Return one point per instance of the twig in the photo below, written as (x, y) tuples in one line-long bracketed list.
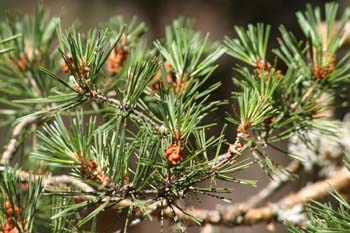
[(58, 181), (48, 181), (65, 179), (234, 150), (17, 131), (160, 128)]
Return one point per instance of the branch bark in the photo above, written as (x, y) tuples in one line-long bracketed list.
[(59, 181), (233, 215), (17, 131), (230, 216)]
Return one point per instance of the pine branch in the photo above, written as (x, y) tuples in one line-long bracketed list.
[(16, 133), (62, 181), (231, 215), (18, 201), (140, 115), (146, 148)]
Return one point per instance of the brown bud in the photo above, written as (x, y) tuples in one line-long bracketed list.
[(174, 153), (261, 64), (93, 164), (22, 63), (246, 135)]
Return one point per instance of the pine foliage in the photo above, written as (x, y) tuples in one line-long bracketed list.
[(128, 123)]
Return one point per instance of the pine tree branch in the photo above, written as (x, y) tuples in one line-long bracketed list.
[(59, 181), (160, 128), (233, 150), (232, 215), (16, 133), (278, 182), (67, 180)]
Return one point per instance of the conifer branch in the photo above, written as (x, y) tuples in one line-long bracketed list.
[(62, 181), (140, 115), (11, 147), (238, 215), (146, 145), (230, 216)]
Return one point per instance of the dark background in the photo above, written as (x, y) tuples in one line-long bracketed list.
[(216, 17)]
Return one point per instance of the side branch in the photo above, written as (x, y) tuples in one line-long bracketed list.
[(60, 181), (138, 114), (17, 131)]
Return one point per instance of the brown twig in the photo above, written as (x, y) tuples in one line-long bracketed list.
[(65, 179), (58, 181), (17, 131)]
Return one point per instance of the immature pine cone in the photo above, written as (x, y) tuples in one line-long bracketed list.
[(174, 153)]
